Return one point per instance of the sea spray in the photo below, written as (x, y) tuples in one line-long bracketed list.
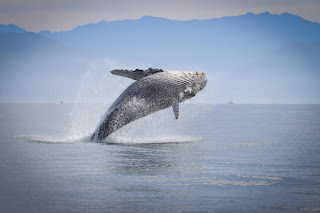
[(97, 92)]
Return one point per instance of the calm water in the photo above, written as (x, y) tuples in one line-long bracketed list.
[(223, 158)]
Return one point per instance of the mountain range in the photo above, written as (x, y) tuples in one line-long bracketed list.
[(251, 58)]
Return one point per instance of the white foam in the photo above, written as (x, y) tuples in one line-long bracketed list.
[(55, 140), (161, 139), (113, 140), (44, 139)]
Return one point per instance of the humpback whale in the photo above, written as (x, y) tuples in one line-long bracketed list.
[(153, 90)]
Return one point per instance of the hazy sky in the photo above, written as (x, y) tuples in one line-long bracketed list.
[(57, 15)]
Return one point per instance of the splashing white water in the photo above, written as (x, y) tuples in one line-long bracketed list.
[(155, 139), (97, 92)]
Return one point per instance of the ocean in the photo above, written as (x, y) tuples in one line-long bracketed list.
[(214, 158)]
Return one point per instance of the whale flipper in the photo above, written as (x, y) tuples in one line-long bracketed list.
[(175, 107), (136, 74)]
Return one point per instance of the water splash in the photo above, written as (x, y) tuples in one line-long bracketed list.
[(97, 92), (152, 140)]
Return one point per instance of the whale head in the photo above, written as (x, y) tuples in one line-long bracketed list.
[(200, 81), (196, 82)]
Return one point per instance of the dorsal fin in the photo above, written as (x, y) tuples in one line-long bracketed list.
[(136, 74)]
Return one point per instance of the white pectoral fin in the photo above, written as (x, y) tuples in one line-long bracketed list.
[(135, 74), (175, 107), (127, 73)]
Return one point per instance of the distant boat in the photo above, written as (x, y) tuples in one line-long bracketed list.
[(230, 102), (61, 102)]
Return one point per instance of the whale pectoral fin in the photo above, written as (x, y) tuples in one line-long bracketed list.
[(128, 73), (175, 107), (135, 74)]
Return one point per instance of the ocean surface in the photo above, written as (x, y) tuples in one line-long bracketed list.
[(214, 158)]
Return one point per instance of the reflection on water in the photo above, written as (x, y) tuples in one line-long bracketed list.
[(147, 159)]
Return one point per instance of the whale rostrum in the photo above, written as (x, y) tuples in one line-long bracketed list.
[(153, 90)]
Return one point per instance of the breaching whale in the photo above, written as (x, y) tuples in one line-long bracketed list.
[(153, 90)]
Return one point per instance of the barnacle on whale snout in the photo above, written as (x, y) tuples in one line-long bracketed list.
[(201, 75)]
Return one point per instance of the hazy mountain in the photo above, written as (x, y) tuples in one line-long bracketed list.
[(251, 58), (11, 28), (154, 39), (37, 68)]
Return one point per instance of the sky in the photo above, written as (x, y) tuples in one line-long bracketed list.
[(59, 15)]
